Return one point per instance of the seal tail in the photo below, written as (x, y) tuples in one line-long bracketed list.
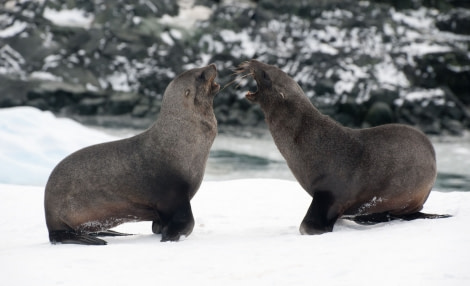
[(385, 217)]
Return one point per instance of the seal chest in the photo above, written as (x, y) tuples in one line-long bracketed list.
[(149, 177), (388, 169)]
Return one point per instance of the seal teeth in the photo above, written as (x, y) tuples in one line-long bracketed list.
[(251, 96)]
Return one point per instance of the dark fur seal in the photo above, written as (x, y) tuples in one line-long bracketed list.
[(374, 174), (149, 177)]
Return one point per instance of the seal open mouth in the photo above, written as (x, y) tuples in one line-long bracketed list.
[(213, 86), (243, 70)]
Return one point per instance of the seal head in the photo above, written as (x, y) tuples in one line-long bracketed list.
[(272, 83)]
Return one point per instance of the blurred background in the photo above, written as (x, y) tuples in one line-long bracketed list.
[(106, 64)]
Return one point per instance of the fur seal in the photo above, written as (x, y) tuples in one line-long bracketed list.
[(373, 175), (149, 177)]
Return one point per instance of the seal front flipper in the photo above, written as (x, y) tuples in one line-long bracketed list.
[(321, 215), (157, 226), (71, 237), (180, 223)]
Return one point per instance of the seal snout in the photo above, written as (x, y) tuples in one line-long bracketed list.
[(245, 69)]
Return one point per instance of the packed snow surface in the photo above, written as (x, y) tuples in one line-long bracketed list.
[(246, 233)]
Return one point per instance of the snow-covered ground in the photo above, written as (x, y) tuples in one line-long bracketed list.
[(246, 230), (246, 233)]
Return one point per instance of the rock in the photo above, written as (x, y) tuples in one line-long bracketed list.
[(431, 127), (50, 95), (324, 86), (140, 110), (90, 106), (121, 103), (354, 60), (385, 95), (453, 127), (455, 21), (449, 69), (379, 113), (13, 92)]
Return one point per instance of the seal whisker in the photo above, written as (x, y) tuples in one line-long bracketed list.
[(237, 79), (228, 84), (243, 67)]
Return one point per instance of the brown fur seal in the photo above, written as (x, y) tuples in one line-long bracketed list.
[(149, 177), (374, 174)]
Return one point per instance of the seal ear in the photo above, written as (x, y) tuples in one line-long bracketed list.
[(187, 92), (282, 96)]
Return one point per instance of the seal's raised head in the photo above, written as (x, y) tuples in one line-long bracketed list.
[(196, 85), (274, 85)]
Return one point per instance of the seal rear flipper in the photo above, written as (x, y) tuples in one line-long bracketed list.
[(370, 219), (109, 233), (420, 215), (385, 217), (71, 237)]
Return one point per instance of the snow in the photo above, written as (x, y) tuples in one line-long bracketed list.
[(246, 233), (246, 230), (425, 95), (69, 17), (388, 74), (16, 28), (348, 74), (33, 142), (246, 48), (13, 61), (417, 19), (188, 15), (42, 75)]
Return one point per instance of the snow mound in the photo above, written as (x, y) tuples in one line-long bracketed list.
[(33, 142)]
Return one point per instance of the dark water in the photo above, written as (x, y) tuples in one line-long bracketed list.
[(226, 165), (452, 182)]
